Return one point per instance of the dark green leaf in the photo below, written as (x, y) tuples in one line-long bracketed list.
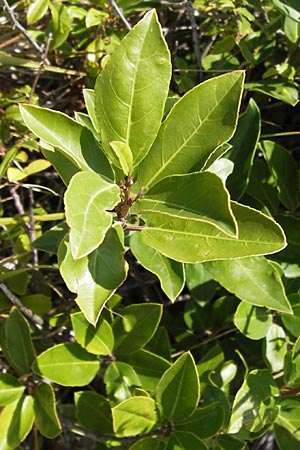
[(45, 411), (93, 412)]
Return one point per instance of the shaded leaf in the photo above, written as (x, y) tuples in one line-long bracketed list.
[(98, 339), (44, 406), (121, 381), (252, 321), (93, 412), (285, 91), (184, 440), (275, 347), (205, 422)]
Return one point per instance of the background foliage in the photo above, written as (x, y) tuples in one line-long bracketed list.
[(189, 351)]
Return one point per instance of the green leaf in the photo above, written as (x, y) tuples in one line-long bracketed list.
[(285, 91), (74, 141), (36, 166), (262, 186), (18, 342), (228, 442), (205, 422), (89, 100), (16, 422), (284, 170), (169, 272), (64, 166), (184, 440), (148, 366), (131, 91), (196, 197), (191, 241), (36, 10), (87, 200), (150, 443), (135, 327), (45, 411), (98, 340), (60, 25), (124, 155), (289, 417), (96, 277), (288, 10), (254, 405), (178, 391), (10, 389), (243, 143), (49, 241), (121, 381), (254, 280), (275, 347), (291, 226), (134, 416), (198, 123), (67, 364), (285, 439), (93, 412), (252, 321), (291, 29)]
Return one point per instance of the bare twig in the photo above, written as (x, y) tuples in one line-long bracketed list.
[(120, 12), (42, 65), (34, 318), (196, 42), (16, 24)]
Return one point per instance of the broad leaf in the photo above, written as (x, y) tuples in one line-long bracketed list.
[(254, 405), (18, 342), (64, 166), (124, 155), (262, 187), (289, 415), (178, 391), (120, 381), (252, 321), (185, 440), (287, 10), (67, 364), (72, 139), (36, 10), (93, 412), (275, 347), (197, 124), (96, 277), (98, 340), (10, 389), (192, 241), (284, 439), (285, 91), (89, 100), (87, 200), (149, 443), (205, 422), (134, 416), (196, 197), (254, 280), (131, 91), (243, 143), (169, 272), (45, 411), (16, 422), (135, 327), (284, 170)]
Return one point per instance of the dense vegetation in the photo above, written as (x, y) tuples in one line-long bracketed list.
[(150, 294)]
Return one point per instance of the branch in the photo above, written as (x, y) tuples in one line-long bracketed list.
[(120, 12), (196, 42), (34, 318), (42, 65)]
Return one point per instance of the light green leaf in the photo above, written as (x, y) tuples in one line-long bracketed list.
[(184, 440), (198, 123), (135, 327), (287, 10), (18, 341), (254, 405), (74, 141), (289, 415), (16, 422), (98, 340), (284, 170), (222, 167), (64, 166), (284, 439), (148, 366), (285, 91), (291, 29), (124, 155), (96, 277), (275, 347), (10, 389), (254, 280), (199, 197), (45, 411), (36, 10), (89, 100), (244, 142), (67, 364), (134, 416), (14, 174), (205, 422), (93, 412), (131, 91), (252, 321), (169, 272), (178, 390), (87, 200), (60, 25), (120, 381), (191, 241)]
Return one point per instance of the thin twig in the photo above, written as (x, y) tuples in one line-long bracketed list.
[(195, 35), (42, 65), (34, 318), (16, 24), (120, 12)]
